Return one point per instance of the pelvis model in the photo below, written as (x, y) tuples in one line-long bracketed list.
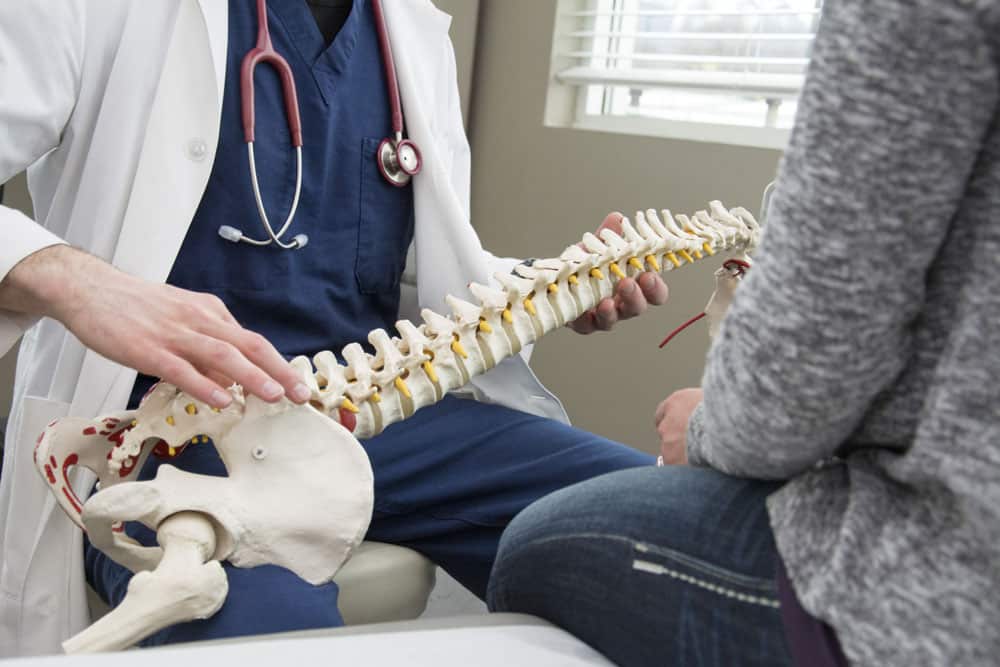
[(299, 490)]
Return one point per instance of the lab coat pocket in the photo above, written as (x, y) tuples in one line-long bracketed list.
[(25, 523), (385, 226)]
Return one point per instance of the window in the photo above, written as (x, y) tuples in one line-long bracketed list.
[(712, 70)]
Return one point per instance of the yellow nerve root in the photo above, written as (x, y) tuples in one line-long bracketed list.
[(508, 316), (596, 273), (403, 389), (615, 269), (484, 326), (673, 260), (553, 288), (456, 347), (687, 256), (651, 260), (708, 249), (348, 405), (429, 369), (636, 264), (530, 306), (573, 280)]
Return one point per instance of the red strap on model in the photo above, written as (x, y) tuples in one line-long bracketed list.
[(681, 328)]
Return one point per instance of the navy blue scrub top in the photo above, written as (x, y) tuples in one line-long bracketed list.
[(345, 282)]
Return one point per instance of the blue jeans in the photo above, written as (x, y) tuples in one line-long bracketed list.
[(657, 566), (447, 482)]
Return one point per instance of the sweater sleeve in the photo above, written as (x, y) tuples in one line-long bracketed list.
[(891, 122)]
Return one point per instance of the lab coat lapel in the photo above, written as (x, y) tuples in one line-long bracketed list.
[(175, 162), (180, 143), (443, 237)]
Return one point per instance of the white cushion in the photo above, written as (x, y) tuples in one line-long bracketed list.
[(381, 582)]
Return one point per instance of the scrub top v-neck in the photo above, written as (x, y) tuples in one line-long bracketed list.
[(345, 282)]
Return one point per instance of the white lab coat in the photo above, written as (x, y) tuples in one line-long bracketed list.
[(114, 107)]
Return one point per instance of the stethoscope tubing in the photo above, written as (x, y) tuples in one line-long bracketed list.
[(395, 166), (275, 237), (389, 65)]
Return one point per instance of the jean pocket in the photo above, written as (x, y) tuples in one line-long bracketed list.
[(385, 226)]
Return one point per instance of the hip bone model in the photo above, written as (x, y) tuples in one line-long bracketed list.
[(300, 488)]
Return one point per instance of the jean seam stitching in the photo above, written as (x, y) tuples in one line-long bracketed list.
[(694, 563), (706, 568), (659, 570)]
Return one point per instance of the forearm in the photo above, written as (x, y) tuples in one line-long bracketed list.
[(888, 134), (41, 283)]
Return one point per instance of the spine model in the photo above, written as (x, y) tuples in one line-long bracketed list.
[(306, 508), (425, 362)]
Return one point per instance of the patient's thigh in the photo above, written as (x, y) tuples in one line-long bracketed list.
[(697, 512), (670, 564)]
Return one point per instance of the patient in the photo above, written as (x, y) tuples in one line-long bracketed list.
[(841, 502)]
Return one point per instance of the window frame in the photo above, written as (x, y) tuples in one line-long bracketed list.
[(567, 102)]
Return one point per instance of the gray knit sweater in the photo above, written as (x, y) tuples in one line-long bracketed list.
[(861, 357)]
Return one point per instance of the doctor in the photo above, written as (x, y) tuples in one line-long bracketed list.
[(128, 116)]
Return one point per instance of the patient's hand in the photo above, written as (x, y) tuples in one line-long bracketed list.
[(188, 339), (632, 296), (671, 418)]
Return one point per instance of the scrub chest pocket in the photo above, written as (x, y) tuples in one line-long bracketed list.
[(385, 226)]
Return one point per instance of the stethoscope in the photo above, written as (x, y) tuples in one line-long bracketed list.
[(398, 159)]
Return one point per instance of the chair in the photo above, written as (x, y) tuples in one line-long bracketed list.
[(380, 583)]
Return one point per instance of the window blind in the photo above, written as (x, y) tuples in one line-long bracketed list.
[(739, 62)]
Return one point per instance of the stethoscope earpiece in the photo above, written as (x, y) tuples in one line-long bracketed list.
[(235, 236)]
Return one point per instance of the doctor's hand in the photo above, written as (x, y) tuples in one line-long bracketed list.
[(672, 417), (631, 298), (186, 338)]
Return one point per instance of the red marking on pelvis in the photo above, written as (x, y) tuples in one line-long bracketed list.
[(128, 465), (162, 450), (71, 497), (90, 430), (51, 476), (67, 490), (348, 420)]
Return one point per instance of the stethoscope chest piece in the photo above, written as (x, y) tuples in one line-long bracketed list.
[(398, 160)]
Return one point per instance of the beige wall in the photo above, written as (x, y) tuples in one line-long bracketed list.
[(536, 189)]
